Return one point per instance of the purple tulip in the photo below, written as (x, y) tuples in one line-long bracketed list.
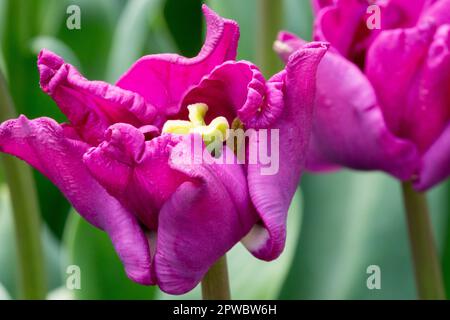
[(383, 94), (117, 160)]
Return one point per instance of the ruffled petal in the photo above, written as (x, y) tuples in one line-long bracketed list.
[(43, 144), (202, 220), (435, 163), (238, 89), (272, 191), (163, 79), (198, 209), (285, 45), (134, 171), (90, 106)]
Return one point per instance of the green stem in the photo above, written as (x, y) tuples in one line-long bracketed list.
[(446, 251), (427, 267), (215, 284), (270, 13), (32, 281)]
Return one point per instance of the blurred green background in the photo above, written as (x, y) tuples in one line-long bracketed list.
[(339, 224)]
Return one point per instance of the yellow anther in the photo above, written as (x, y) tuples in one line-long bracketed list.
[(177, 127), (237, 124), (220, 124), (236, 138), (197, 113), (216, 130)]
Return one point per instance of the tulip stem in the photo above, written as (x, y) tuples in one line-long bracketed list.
[(270, 13), (215, 284), (31, 275), (427, 266)]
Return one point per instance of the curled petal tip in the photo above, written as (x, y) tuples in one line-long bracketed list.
[(49, 58), (48, 64), (125, 141), (286, 44), (318, 45), (206, 9), (314, 50)]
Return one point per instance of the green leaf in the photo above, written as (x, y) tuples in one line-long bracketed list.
[(185, 21), (8, 257), (126, 49), (351, 221), (251, 278), (102, 273)]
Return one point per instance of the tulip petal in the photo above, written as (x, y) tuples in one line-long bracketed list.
[(403, 13), (238, 89), (199, 210), (345, 24), (437, 11), (42, 143), (163, 79), (272, 192), (401, 89), (436, 163), (91, 106), (135, 172), (202, 220), (349, 128), (286, 44), (429, 112), (340, 24)]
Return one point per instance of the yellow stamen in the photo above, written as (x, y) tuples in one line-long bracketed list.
[(237, 124), (236, 140), (197, 113), (177, 127), (217, 129)]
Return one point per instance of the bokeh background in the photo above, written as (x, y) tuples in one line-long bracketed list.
[(339, 223)]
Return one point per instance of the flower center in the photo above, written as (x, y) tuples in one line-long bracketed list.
[(214, 134), (216, 130)]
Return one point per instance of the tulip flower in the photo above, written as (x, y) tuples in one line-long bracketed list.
[(382, 94), (382, 101), (117, 159)]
